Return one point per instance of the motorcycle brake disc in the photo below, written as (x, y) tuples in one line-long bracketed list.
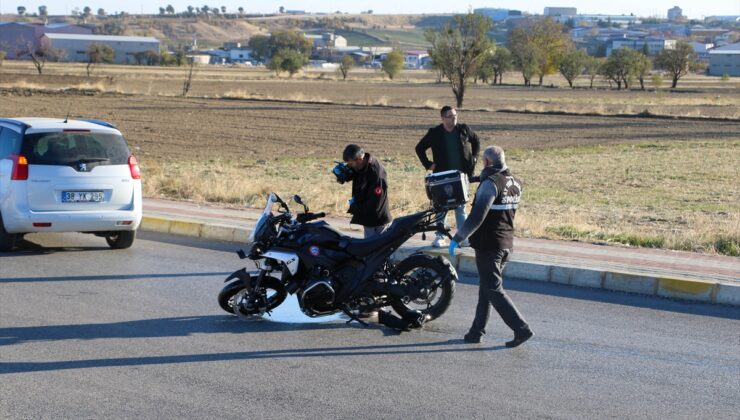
[(243, 308)]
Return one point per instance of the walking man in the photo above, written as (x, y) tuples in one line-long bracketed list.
[(454, 147), (490, 228)]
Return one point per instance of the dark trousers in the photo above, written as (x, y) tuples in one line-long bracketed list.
[(491, 292)]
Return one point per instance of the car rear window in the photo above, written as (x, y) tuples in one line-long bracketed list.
[(69, 148)]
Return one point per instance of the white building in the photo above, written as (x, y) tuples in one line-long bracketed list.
[(75, 46), (725, 60), (654, 45), (561, 11)]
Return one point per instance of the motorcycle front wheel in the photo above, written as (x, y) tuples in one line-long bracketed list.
[(272, 287), (433, 274)]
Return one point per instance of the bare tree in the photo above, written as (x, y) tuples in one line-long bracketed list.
[(458, 49), (346, 65), (98, 53), (189, 79), (38, 55)]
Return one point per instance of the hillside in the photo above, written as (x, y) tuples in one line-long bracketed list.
[(359, 29)]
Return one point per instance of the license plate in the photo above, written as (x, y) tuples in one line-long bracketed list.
[(82, 196)]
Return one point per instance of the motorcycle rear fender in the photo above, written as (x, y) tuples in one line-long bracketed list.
[(290, 259)]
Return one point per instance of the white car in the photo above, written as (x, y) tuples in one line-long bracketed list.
[(60, 175)]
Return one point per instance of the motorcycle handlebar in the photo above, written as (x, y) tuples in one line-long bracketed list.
[(307, 217)]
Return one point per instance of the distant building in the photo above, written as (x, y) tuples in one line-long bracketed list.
[(560, 11), (675, 13), (725, 60), (621, 20), (327, 39), (497, 15), (654, 45), (75, 46), (702, 49), (15, 36), (415, 59)]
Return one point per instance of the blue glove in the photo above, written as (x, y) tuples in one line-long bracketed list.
[(351, 201), (453, 245)]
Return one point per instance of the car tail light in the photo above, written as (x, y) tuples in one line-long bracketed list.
[(133, 164), (20, 168), (42, 224)]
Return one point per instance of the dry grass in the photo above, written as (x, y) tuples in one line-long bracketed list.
[(670, 195)]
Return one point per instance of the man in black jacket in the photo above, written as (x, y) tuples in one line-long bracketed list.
[(369, 202), (490, 228), (454, 147)]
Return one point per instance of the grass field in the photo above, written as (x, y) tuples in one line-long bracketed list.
[(669, 183)]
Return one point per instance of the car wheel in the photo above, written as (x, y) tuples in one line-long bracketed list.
[(7, 240), (121, 239)]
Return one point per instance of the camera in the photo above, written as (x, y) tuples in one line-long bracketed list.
[(343, 172)]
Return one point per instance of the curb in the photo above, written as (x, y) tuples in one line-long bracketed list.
[(667, 287)]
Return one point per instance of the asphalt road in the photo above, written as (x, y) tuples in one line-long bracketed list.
[(88, 332)]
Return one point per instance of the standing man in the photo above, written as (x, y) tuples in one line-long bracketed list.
[(490, 228), (369, 202), (454, 147)]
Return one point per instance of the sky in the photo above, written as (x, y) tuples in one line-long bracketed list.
[(694, 9)]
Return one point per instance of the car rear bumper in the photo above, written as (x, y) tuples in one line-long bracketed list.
[(72, 221)]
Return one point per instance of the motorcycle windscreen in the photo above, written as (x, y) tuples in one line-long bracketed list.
[(262, 221)]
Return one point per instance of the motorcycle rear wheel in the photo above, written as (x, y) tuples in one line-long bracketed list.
[(423, 270), (274, 289)]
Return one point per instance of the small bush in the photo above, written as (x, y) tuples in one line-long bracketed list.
[(725, 77), (728, 246)]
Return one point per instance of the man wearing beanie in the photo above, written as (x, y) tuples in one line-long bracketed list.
[(490, 228)]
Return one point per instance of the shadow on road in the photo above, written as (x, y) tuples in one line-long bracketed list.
[(185, 326), (104, 277)]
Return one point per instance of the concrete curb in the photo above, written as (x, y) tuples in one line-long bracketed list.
[(674, 288)]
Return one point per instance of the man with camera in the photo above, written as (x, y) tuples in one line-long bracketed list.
[(454, 147), (369, 202), (490, 228)]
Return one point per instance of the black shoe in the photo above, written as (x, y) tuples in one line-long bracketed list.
[(520, 338), (472, 338)]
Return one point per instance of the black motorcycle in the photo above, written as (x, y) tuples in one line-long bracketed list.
[(330, 272)]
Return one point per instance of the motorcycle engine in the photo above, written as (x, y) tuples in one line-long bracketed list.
[(317, 297)]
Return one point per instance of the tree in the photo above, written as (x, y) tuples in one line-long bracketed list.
[(677, 62), (346, 65), (642, 66), (21, 10), (260, 46), (2, 57), (281, 9), (622, 66), (458, 49), (223, 10), (43, 11), (161, 11), (38, 55), (101, 12), (485, 68), (292, 61), (241, 11), (537, 45), (393, 63), (276, 63), (98, 53), (170, 10), (571, 64), (290, 40), (592, 66), (501, 62)]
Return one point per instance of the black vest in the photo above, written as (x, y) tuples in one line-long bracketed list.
[(497, 230)]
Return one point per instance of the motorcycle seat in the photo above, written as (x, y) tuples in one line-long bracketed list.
[(361, 247)]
